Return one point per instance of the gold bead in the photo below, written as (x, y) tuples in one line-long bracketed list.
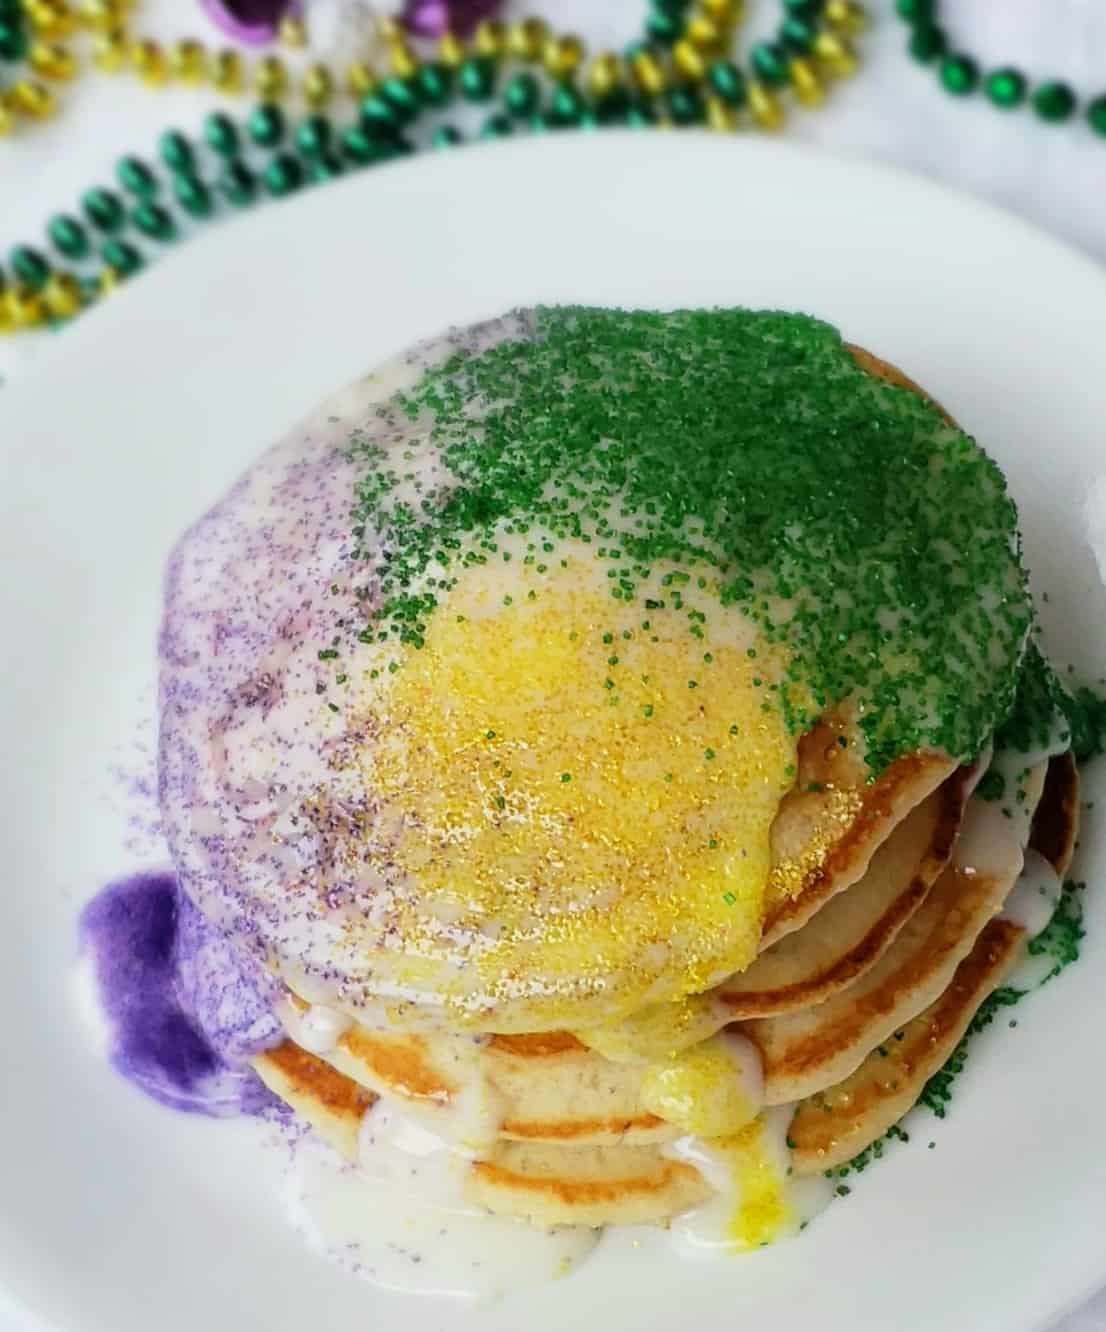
[(804, 79), (835, 54), (100, 15), (50, 18), (148, 60), (845, 15), (725, 13), (270, 78), (360, 80), (109, 51), (226, 71), (110, 280), (318, 86), (720, 115), (648, 73), (391, 29), (53, 61), (25, 307), (490, 38), (562, 55), (527, 38), (689, 60), (188, 60), (7, 117), (402, 61), (451, 50), (604, 74), (292, 32), (62, 295), (704, 33), (32, 99), (764, 106)]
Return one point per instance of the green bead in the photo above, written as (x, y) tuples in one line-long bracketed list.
[(238, 184), (359, 147), (137, 178), (68, 236), (797, 34), (1054, 102), (122, 256), (541, 123), (103, 209), (522, 95), (327, 166), (13, 40), (283, 174), (567, 107), (435, 84), (677, 7), (193, 196), (30, 266), (176, 151), (916, 11), (1005, 87), (769, 63), (446, 136), (153, 220), (1096, 115), (403, 96), (379, 116), (728, 82), (639, 114), (266, 125), (959, 75), (612, 109), (221, 134), (313, 136), (685, 106), (927, 42), (806, 9), (663, 27), (497, 126), (477, 78)]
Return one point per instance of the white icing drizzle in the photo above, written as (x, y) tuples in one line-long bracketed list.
[(321, 1028), (401, 1221), (1034, 897)]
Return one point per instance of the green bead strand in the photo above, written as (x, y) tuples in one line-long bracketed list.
[(769, 63), (927, 42), (522, 95), (728, 82), (435, 82), (477, 78), (403, 97)]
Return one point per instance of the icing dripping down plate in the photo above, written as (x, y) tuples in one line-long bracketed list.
[(117, 1215)]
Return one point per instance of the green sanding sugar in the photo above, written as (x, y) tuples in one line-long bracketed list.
[(874, 541)]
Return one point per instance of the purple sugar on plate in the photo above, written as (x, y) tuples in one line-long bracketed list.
[(183, 1009)]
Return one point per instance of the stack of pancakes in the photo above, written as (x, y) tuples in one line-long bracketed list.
[(685, 1043)]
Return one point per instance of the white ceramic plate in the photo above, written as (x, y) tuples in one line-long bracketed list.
[(119, 1216)]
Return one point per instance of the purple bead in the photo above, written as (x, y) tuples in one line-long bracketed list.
[(430, 18), (254, 22)]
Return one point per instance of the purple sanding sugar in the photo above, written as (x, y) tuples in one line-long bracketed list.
[(184, 1011)]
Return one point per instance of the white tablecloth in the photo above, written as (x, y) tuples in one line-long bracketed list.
[(893, 111)]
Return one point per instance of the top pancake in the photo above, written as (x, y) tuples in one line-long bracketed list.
[(407, 771)]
